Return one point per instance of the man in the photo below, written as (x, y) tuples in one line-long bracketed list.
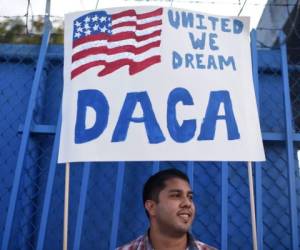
[(168, 202)]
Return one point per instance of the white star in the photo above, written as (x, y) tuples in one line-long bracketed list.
[(86, 26), (87, 32), (77, 35), (77, 24), (87, 19), (79, 29), (95, 18), (95, 27), (103, 29), (102, 19)]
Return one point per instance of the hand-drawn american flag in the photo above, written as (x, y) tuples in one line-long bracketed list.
[(116, 40)]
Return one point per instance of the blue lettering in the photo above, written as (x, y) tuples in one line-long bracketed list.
[(237, 26), (174, 21), (224, 24), (97, 101), (212, 41), (229, 61), (208, 126), (186, 131), (189, 60), (213, 21), (153, 130), (187, 19), (198, 43), (200, 25), (177, 60), (211, 63), (199, 58)]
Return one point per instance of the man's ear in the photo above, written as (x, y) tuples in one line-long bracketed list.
[(150, 206)]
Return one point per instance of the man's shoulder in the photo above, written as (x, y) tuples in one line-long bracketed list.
[(136, 244), (202, 246)]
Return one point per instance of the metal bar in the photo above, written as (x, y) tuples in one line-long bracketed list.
[(252, 206), (29, 52), (296, 136), (190, 172), (259, 209), (66, 206), (258, 176), (274, 136), (270, 136), (290, 148), (224, 205), (155, 167), (117, 206), (39, 129), (49, 188), (275, 70), (82, 202), (25, 137)]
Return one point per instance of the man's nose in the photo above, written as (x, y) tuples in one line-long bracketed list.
[(186, 202)]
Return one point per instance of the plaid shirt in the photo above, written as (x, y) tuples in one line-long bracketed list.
[(143, 243)]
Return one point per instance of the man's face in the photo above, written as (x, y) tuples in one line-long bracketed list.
[(175, 210)]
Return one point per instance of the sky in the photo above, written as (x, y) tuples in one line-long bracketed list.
[(253, 8)]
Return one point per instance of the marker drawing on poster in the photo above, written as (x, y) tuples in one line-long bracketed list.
[(151, 83)]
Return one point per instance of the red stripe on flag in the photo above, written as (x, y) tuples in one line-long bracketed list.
[(116, 37), (134, 67), (90, 38), (139, 66), (127, 13), (85, 67), (112, 66), (112, 51), (138, 26)]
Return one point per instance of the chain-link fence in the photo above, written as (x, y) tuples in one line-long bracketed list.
[(15, 90), (18, 66), (294, 78)]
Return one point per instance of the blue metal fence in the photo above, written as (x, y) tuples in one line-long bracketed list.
[(105, 198)]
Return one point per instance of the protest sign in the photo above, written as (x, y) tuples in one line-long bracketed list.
[(152, 83)]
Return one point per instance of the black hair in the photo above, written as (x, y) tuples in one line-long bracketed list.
[(157, 182)]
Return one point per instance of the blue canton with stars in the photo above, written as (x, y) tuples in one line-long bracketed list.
[(92, 23)]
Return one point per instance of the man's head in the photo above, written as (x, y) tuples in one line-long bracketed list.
[(168, 201)]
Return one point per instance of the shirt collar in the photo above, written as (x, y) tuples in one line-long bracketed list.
[(191, 242)]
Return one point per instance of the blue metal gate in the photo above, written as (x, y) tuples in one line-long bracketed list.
[(106, 207)]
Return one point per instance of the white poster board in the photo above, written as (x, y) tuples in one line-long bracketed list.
[(152, 83)]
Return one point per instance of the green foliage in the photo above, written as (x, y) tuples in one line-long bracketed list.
[(15, 30)]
